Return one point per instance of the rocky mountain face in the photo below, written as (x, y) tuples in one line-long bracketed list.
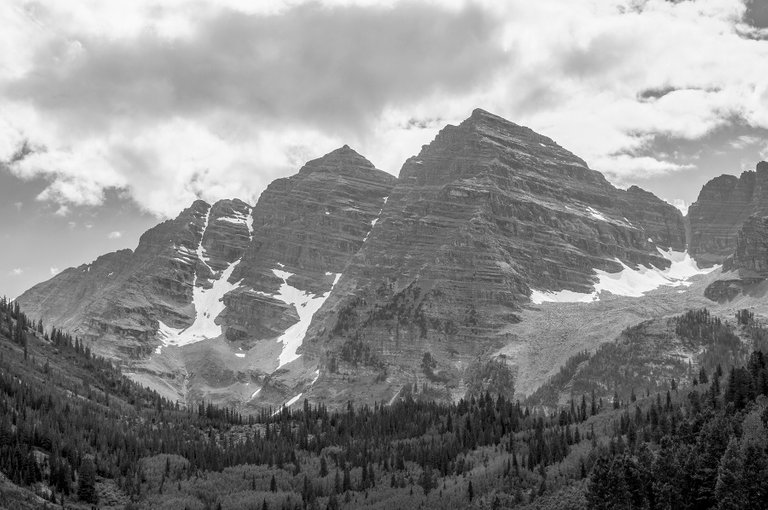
[(751, 255), (118, 299), (344, 283), (485, 213), (723, 205), (747, 266), (215, 300)]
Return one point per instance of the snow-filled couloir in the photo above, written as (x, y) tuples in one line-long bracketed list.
[(631, 282)]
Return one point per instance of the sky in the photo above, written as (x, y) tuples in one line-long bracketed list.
[(116, 115)]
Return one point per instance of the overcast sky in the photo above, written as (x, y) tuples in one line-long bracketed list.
[(115, 115)]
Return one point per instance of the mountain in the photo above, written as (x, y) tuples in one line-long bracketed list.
[(747, 268), (485, 218), (723, 205), (211, 302), (343, 282)]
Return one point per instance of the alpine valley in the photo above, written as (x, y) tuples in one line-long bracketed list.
[(498, 327), (344, 283)]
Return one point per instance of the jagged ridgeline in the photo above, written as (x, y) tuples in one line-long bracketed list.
[(340, 279), (74, 432)]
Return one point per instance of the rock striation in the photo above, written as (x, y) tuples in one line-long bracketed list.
[(344, 283), (751, 255), (483, 214), (750, 261), (723, 205), (221, 296)]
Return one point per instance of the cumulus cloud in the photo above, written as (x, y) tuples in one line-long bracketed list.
[(16, 271), (169, 103), (115, 234)]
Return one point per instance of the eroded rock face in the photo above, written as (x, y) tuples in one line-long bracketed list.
[(265, 267), (750, 260), (724, 204), (341, 279), (309, 226), (751, 255), (118, 299), (483, 214)]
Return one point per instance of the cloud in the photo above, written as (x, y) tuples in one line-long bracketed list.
[(53, 270), (331, 67), (16, 271), (168, 103), (744, 141), (171, 114), (114, 235)]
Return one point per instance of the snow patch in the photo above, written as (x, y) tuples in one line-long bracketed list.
[(317, 376), (596, 214), (631, 282), (375, 220), (293, 400), (306, 304), (253, 395), (240, 355), (564, 296), (288, 404), (208, 305), (200, 250)]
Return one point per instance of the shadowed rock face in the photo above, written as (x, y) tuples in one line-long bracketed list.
[(751, 256), (724, 204), (750, 259), (483, 214)]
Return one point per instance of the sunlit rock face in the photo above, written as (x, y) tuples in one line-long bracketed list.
[(724, 204), (481, 216)]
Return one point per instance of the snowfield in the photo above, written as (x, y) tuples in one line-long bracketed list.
[(209, 303), (631, 282), (306, 305)]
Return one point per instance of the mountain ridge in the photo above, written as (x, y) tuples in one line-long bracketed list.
[(340, 280)]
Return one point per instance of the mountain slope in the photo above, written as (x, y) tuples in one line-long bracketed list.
[(486, 213), (215, 300)]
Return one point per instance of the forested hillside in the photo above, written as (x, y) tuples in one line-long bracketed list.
[(75, 432)]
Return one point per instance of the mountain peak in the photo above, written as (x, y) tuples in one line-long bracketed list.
[(480, 114), (338, 161)]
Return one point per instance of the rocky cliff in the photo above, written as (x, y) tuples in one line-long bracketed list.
[(215, 300), (343, 282), (751, 255), (723, 205), (484, 214), (747, 267)]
